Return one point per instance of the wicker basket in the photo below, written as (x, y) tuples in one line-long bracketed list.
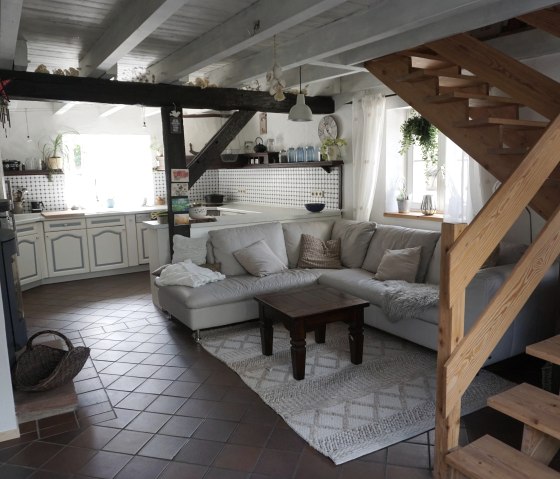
[(42, 367)]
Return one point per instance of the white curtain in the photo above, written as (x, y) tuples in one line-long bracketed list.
[(368, 118)]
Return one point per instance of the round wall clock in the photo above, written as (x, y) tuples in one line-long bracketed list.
[(327, 128)]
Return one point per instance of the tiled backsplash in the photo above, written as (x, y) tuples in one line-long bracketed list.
[(278, 187)]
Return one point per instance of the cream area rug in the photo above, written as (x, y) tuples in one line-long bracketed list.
[(341, 409)]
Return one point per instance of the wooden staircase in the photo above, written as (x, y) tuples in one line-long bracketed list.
[(505, 115)]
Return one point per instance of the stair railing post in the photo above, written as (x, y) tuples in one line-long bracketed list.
[(451, 330)]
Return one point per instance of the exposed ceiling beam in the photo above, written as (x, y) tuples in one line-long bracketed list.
[(40, 86), (111, 111), (65, 107), (547, 20), (491, 13), (351, 68), (137, 21), (528, 44), (393, 23), (238, 34), (10, 14), (312, 74)]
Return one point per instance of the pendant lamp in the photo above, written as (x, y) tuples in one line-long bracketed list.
[(300, 111)]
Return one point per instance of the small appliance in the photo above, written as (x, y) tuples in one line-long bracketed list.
[(37, 206)]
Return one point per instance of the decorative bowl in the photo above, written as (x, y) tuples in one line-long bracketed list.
[(196, 212), (314, 207)]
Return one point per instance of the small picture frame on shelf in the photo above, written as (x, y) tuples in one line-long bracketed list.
[(180, 205), (180, 175), (180, 219), (179, 189)]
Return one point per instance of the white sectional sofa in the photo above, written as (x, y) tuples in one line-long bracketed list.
[(362, 247)]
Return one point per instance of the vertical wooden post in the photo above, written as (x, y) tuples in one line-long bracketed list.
[(451, 330), (174, 148)]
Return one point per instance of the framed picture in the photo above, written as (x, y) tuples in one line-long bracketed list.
[(179, 189), (263, 124), (180, 175), (180, 205), (180, 219)]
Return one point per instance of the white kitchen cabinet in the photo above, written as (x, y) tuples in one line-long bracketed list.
[(107, 248), (67, 252), (31, 260), (143, 248)]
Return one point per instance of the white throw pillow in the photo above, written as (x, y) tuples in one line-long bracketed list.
[(259, 260), (189, 248), (399, 264)]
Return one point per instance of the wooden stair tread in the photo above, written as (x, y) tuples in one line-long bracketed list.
[(488, 458), (549, 350), (508, 151), (532, 406), (445, 79), (475, 99), (507, 122)]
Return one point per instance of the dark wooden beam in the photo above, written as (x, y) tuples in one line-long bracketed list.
[(174, 147), (41, 86), (209, 157)]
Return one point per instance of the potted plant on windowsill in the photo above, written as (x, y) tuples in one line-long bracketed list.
[(403, 200)]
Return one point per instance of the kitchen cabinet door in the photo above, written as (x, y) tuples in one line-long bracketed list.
[(31, 258), (67, 253), (143, 249), (107, 248)]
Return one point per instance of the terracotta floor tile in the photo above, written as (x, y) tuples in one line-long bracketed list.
[(239, 458), (148, 422), (408, 454), (35, 454), (137, 401), (105, 465), (142, 468), (70, 460), (197, 407), (177, 470), (197, 451), (215, 430), (15, 472), (168, 372), (95, 437), (154, 386), (399, 472), (181, 426), (126, 383), (251, 434), (167, 404), (218, 473), (228, 411), (143, 370), (128, 442), (285, 440), (181, 389), (163, 447), (278, 464)]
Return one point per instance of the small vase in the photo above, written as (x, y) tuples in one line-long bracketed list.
[(403, 206), (427, 207)]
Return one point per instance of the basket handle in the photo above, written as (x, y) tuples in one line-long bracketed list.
[(69, 344)]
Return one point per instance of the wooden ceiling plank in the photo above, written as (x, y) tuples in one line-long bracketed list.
[(238, 34), (547, 20), (135, 23), (10, 15), (40, 86)]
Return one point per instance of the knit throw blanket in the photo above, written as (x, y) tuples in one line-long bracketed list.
[(404, 300)]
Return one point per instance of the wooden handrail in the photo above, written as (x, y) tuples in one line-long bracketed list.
[(502, 210), (471, 353)]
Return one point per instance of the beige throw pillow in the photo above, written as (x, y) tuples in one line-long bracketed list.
[(259, 260), (316, 253), (399, 264)]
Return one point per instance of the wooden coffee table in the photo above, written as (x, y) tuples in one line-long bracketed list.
[(311, 309)]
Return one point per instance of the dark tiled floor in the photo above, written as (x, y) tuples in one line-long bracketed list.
[(153, 404)]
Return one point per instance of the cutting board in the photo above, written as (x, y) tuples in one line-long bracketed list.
[(53, 215)]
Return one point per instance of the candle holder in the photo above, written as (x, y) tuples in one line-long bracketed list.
[(427, 206)]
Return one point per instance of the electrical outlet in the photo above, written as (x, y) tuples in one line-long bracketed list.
[(318, 193)]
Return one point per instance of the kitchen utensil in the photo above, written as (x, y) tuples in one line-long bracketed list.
[(214, 199), (259, 147), (314, 207)]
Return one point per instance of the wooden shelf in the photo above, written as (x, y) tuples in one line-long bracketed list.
[(415, 215), (326, 165), (32, 172)]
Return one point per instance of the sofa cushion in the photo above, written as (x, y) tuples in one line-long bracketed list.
[(434, 267), (189, 248), (396, 237), (355, 237), (259, 260), (355, 281), (292, 236), (399, 264), (316, 253), (233, 289), (226, 241)]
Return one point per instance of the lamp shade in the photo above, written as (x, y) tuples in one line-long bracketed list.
[(300, 111)]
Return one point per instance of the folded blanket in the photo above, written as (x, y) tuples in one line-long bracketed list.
[(186, 273), (404, 300)]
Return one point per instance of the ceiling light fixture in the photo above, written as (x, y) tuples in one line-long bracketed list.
[(300, 111), (27, 126), (143, 117)]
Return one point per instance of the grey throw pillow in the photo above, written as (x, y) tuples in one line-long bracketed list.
[(259, 260), (316, 253), (189, 248), (399, 264)]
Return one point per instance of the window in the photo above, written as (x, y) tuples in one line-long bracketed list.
[(104, 167)]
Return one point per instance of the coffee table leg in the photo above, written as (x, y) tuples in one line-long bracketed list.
[(320, 333), (356, 336), (266, 332), (297, 336)]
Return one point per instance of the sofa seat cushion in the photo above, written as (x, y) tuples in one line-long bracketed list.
[(292, 236), (226, 241), (355, 237), (235, 288), (355, 281), (396, 237)]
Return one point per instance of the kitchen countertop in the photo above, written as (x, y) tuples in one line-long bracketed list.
[(245, 213)]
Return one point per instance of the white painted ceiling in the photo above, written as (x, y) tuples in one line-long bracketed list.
[(230, 41)]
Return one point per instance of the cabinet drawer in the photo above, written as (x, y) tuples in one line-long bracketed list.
[(29, 229), (102, 221), (65, 225)]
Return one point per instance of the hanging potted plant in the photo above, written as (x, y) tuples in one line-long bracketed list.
[(416, 129)]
